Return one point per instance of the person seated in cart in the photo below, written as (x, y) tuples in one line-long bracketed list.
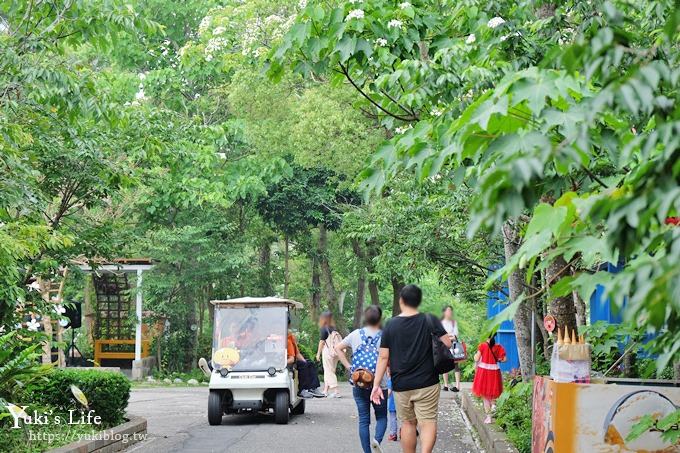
[(308, 377)]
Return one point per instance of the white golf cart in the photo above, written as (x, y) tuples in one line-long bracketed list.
[(249, 368)]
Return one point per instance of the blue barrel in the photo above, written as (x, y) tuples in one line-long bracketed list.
[(496, 303)]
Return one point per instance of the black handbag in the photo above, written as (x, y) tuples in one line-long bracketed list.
[(441, 354)]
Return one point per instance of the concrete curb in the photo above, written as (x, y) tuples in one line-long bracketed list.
[(492, 438), (110, 440)]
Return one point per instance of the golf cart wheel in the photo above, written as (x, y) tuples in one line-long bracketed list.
[(281, 413), (299, 409), (215, 407)]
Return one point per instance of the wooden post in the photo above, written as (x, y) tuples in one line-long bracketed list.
[(47, 323), (61, 357), (138, 309)]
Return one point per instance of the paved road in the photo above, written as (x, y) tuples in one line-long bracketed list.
[(178, 422)]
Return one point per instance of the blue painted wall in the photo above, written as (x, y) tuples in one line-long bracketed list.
[(495, 303), (601, 308)]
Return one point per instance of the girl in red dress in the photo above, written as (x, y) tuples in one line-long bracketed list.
[(488, 383)]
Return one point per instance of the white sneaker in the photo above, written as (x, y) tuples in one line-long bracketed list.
[(335, 395), (375, 445), (306, 394), (317, 393)]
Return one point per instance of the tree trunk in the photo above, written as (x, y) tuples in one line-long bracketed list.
[(361, 284), (193, 333), (326, 273), (373, 288), (397, 285), (266, 287), (562, 308), (361, 296), (316, 289), (516, 287), (676, 371), (581, 310), (327, 277), (374, 292), (286, 269)]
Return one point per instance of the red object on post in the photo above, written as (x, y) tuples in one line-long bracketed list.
[(549, 323), (673, 221)]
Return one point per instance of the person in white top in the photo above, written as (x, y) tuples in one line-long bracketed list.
[(451, 327)]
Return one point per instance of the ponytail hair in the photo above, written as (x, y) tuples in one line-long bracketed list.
[(492, 340)]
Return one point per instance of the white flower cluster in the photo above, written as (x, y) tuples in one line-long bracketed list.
[(219, 30), (302, 4), (401, 130), (470, 39), (214, 45), (273, 19), (250, 34), (33, 325), (436, 111), (505, 37), (381, 42), (354, 2), (404, 5), (205, 23), (395, 23), (355, 14), (495, 22)]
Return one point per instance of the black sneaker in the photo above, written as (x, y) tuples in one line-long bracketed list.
[(446, 389), (454, 389)]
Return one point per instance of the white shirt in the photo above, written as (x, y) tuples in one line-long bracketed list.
[(353, 341), (451, 327)]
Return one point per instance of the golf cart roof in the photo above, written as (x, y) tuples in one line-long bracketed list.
[(257, 301)]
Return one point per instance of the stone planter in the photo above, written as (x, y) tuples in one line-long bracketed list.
[(109, 440)]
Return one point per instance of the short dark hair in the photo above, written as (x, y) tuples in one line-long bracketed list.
[(411, 295), (372, 315)]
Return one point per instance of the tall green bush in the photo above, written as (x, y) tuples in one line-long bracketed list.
[(107, 392), (513, 415), (19, 365)]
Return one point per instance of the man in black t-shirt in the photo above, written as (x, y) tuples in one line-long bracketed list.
[(407, 346)]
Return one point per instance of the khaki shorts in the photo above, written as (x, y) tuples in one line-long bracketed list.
[(418, 404)]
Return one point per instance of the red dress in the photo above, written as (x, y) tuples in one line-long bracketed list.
[(488, 381)]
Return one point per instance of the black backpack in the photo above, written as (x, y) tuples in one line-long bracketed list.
[(441, 355)]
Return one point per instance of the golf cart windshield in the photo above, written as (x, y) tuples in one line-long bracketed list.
[(250, 339)]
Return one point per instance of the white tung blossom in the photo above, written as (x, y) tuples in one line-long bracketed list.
[(302, 4), (205, 23), (214, 45), (470, 39), (354, 2), (219, 30), (381, 42), (142, 75), (436, 111), (404, 5), (355, 14), (395, 23), (140, 96), (34, 286), (33, 325), (495, 22), (505, 37), (59, 309), (401, 130)]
